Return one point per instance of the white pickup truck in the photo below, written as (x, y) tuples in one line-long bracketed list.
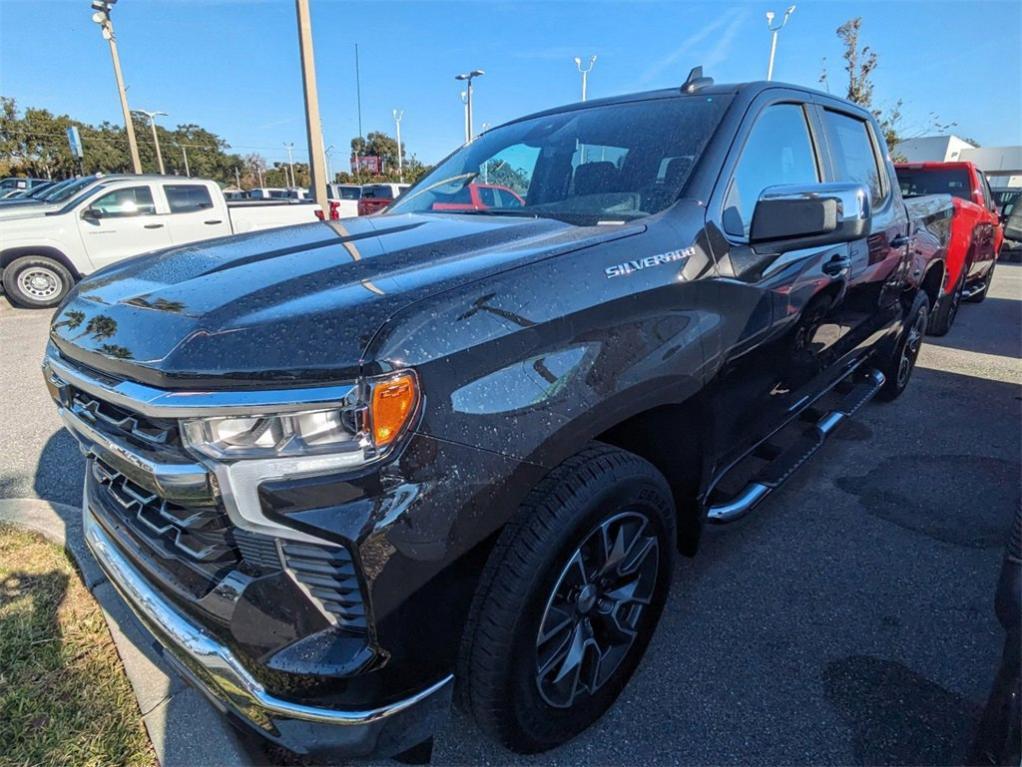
[(43, 253)]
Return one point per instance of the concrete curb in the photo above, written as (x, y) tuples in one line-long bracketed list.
[(184, 728)]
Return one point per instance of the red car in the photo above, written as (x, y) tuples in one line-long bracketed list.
[(480, 197), (976, 234), (376, 197)]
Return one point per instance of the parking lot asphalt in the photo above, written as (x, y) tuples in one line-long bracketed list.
[(848, 620)]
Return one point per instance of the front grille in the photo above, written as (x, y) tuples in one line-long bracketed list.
[(133, 426), (328, 574)]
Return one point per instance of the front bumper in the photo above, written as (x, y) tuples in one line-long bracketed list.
[(218, 673)]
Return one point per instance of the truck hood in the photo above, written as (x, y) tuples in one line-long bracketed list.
[(293, 305)]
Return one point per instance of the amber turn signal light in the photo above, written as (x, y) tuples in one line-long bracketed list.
[(392, 406)]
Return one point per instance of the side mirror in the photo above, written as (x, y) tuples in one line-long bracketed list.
[(802, 216), (92, 214)]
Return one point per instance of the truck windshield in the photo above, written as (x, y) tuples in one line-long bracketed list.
[(606, 163), (915, 182)]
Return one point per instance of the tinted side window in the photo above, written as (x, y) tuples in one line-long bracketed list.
[(779, 151), (133, 201), (187, 198), (854, 157)]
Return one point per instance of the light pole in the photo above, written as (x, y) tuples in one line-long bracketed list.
[(398, 114), (468, 77), (329, 173), (464, 101), (102, 17), (585, 72), (156, 139), (290, 146), (773, 36), (313, 126), (184, 154)]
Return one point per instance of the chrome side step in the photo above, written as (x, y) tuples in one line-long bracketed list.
[(786, 463)]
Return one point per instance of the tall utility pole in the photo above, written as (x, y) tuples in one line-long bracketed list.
[(398, 114), (468, 77), (184, 154), (156, 139), (773, 36), (313, 126), (102, 17), (290, 147), (585, 72)]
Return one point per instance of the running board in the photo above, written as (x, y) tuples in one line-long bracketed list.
[(975, 290), (787, 462)]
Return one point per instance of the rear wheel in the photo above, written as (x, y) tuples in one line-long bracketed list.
[(899, 366), (569, 600), (37, 282), (944, 313)]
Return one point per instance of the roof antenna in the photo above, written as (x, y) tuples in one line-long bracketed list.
[(696, 81)]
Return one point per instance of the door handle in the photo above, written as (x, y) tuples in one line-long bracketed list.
[(900, 241), (214, 221), (836, 265), (154, 226)]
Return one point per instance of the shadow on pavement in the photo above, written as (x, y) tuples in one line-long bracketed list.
[(992, 327), (898, 717)]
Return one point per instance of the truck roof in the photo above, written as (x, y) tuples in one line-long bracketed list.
[(748, 90), (957, 164)]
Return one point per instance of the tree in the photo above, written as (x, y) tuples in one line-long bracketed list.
[(860, 64)]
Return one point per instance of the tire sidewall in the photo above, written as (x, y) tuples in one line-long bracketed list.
[(12, 274), (893, 388), (541, 723)]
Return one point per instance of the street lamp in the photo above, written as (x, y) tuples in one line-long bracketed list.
[(585, 72), (156, 139), (290, 147), (326, 154), (773, 38), (102, 17), (398, 114), (468, 77)]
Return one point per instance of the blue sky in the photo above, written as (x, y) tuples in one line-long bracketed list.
[(232, 65)]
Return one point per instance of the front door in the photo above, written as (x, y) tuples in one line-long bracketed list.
[(120, 224), (779, 329)]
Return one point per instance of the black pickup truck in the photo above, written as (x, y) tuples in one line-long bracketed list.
[(348, 471)]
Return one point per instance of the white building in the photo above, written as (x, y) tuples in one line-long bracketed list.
[(1002, 164)]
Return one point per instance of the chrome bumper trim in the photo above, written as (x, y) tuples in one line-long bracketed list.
[(213, 664), (163, 403)]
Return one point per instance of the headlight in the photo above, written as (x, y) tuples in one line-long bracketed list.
[(364, 426)]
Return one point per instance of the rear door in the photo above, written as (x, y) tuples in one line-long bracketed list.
[(873, 282), (192, 213), (121, 223)]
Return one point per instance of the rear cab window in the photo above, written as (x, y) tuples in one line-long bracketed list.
[(916, 182), (187, 198)]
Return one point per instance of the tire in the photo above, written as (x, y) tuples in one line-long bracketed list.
[(899, 366), (943, 316), (542, 576), (37, 282), (980, 296)]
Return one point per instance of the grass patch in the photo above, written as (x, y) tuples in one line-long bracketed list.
[(64, 698)]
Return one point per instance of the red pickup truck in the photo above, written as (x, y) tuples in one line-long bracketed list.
[(976, 234)]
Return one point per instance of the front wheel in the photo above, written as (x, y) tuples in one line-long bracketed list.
[(568, 600), (37, 282), (899, 366)]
